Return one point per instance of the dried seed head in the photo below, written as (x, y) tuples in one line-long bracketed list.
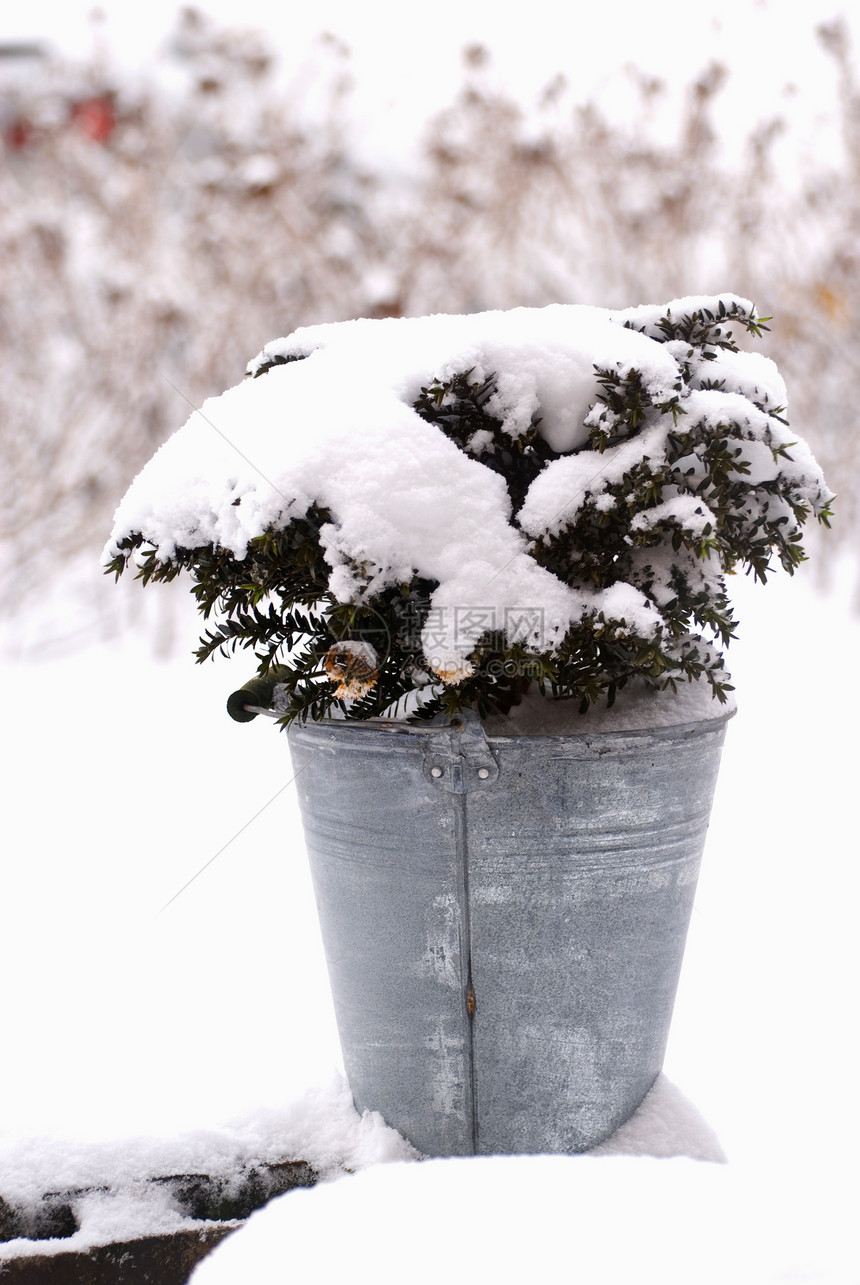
[(353, 666), (457, 673)]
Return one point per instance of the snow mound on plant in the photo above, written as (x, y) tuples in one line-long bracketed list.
[(332, 424)]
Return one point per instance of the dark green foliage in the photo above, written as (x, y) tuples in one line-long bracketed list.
[(276, 603), (706, 328), (269, 360), (459, 408)]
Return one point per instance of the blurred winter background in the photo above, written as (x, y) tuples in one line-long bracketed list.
[(179, 187)]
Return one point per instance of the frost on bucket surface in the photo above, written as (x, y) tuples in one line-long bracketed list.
[(422, 515)]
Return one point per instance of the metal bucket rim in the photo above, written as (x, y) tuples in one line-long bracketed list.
[(386, 727), (669, 731)]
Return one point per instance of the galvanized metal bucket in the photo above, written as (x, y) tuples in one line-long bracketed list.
[(504, 920)]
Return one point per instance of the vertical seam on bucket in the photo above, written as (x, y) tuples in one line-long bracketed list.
[(462, 835)]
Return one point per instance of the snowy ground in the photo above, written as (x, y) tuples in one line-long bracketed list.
[(621, 1221), (123, 1020)]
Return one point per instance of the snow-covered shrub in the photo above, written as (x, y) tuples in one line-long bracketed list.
[(432, 513)]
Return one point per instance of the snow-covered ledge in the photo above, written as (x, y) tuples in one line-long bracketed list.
[(69, 1198)]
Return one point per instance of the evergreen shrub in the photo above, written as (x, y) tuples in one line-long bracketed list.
[(722, 491)]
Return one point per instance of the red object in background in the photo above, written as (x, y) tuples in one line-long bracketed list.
[(95, 117), (18, 135)]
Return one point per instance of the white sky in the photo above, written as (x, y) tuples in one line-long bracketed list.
[(406, 59)]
